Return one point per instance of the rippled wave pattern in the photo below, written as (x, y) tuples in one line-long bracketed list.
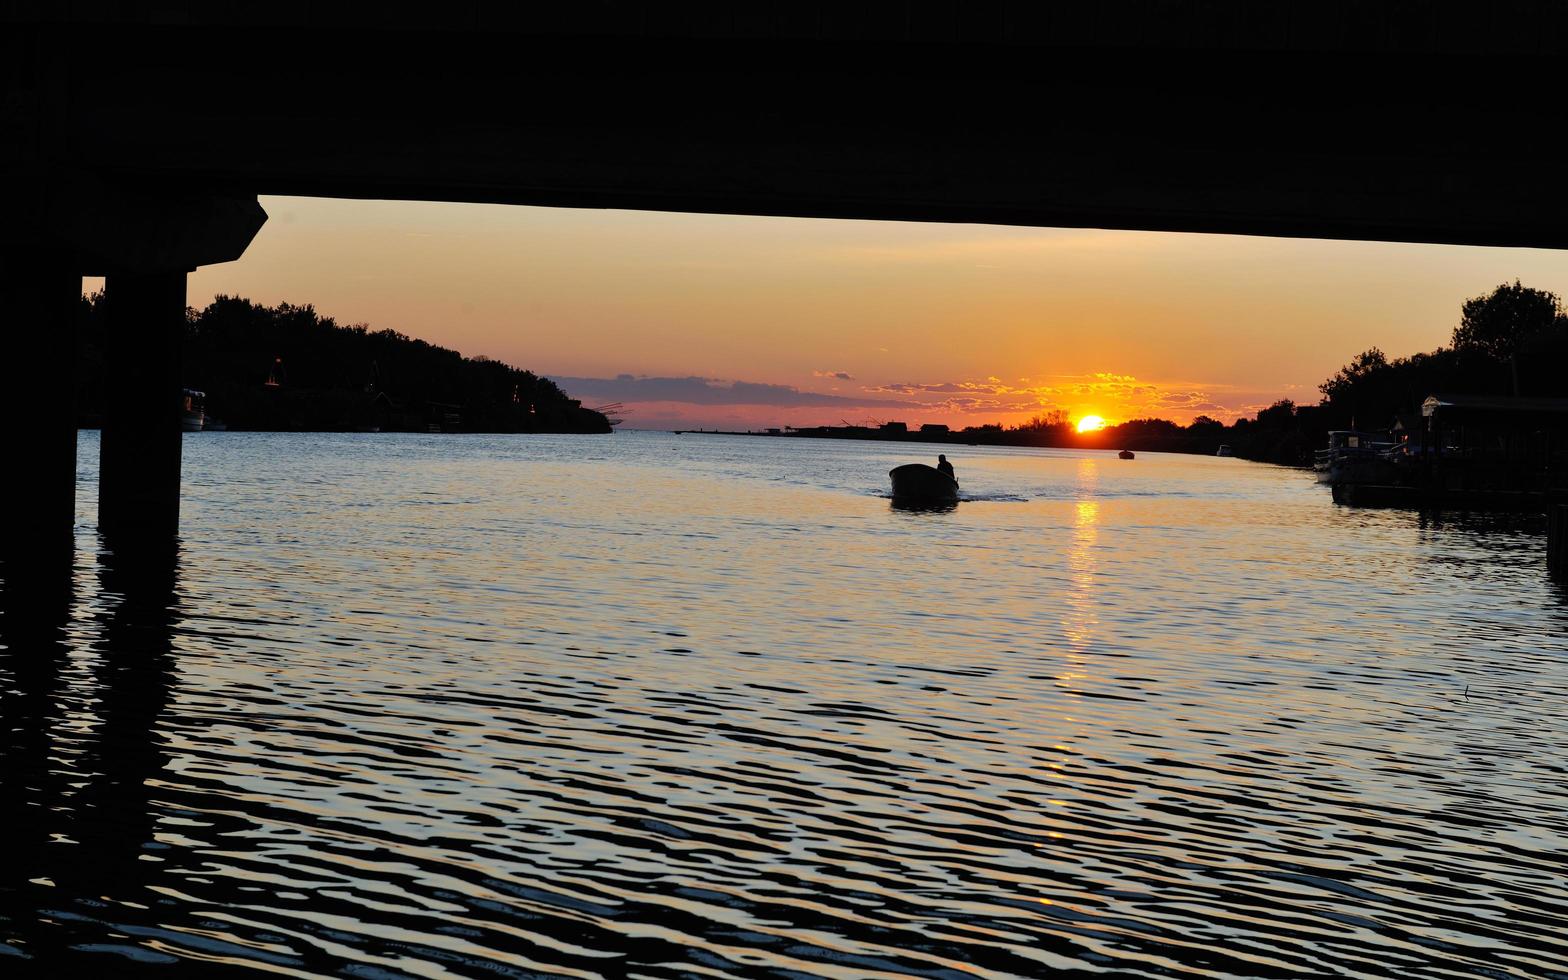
[(662, 706)]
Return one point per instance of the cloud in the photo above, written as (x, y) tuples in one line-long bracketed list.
[(685, 401), (941, 387), (1119, 395), (707, 391)]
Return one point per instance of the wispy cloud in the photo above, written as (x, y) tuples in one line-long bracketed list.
[(695, 390), (698, 400), (1121, 395)]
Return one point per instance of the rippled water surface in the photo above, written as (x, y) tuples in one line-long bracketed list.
[(656, 706)]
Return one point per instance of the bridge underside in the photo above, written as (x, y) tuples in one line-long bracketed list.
[(135, 137), (1422, 145)]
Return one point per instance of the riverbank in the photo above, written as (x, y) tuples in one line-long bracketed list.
[(1128, 436)]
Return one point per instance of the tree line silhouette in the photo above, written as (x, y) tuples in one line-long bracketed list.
[(1511, 341), (288, 368)]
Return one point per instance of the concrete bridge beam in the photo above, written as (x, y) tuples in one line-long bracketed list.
[(144, 239)]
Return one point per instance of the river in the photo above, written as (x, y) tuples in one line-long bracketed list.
[(657, 706)]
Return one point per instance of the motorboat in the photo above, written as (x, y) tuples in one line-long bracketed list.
[(1125, 454), (1225, 451), (917, 483)]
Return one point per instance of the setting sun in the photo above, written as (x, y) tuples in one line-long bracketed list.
[(1091, 423)]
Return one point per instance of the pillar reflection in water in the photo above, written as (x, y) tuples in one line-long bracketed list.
[(82, 684), (35, 612)]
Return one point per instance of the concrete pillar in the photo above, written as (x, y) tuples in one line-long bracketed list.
[(39, 290), (1557, 538), (139, 471)]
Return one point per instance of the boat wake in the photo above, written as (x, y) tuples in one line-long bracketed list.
[(965, 497)]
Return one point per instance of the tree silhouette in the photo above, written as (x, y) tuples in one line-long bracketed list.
[(1354, 375), (1499, 324), (319, 370)]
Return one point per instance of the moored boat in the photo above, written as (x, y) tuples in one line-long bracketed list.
[(192, 410), (919, 483), (1354, 456)]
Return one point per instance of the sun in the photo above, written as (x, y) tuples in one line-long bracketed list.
[(1091, 423)]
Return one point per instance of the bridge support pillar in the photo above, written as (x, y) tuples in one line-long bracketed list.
[(139, 461), (39, 290)]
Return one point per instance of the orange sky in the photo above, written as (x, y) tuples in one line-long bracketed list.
[(746, 321)]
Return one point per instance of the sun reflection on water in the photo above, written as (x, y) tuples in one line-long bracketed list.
[(1080, 608)]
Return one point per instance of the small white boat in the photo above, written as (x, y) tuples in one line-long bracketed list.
[(917, 483), (1225, 451)]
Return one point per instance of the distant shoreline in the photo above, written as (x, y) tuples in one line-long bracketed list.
[(1104, 440)]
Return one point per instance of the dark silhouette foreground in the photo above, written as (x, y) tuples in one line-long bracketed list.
[(288, 368), (917, 483)]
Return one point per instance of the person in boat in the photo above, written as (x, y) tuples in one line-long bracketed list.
[(943, 466)]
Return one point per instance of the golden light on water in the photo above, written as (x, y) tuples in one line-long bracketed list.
[(1091, 423)]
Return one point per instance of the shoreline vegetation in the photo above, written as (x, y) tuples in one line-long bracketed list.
[(287, 368), (1511, 342)]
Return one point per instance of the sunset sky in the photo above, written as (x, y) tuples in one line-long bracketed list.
[(745, 321)]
